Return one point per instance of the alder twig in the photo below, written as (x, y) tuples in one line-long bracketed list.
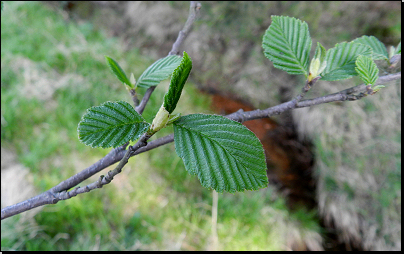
[(305, 89), (59, 192), (51, 196), (347, 94), (140, 108), (242, 116), (193, 12), (133, 95), (103, 180), (182, 35)]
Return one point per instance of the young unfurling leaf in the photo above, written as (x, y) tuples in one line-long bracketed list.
[(367, 70), (178, 79), (117, 70), (158, 71)]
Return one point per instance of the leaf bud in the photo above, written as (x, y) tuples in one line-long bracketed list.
[(160, 120)]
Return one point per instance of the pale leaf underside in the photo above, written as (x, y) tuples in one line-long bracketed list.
[(158, 71)]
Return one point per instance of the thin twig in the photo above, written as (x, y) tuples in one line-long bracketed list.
[(59, 192), (193, 12), (348, 94), (145, 99), (305, 89), (182, 35), (103, 180), (241, 116), (50, 196), (133, 95)]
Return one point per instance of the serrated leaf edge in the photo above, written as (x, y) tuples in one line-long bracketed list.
[(342, 46), (366, 69), (177, 82), (84, 122), (236, 175), (275, 29), (376, 45), (147, 79)]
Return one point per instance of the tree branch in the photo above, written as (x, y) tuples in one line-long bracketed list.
[(145, 99), (242, 116), (59, 192), (193, 12), (352, 93), (182, 35), (103, 180), (347, 94)]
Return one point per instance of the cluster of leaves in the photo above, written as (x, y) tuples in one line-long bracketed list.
[(287, 44), (224, 154)]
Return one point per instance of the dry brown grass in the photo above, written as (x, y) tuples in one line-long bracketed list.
[(41, 81), (358, 156)]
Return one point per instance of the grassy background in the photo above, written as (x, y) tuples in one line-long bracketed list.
[(52, 71)]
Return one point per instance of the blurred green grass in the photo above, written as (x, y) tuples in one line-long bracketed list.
[(52, 70)]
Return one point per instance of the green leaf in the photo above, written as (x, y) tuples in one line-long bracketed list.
[(317, 64), (224, 154), (377, 88), (110, 125), (158, 71), (394, 55), (178, 79), (341, 60), (173, 118), (379, 50), (320, 52), (287, 44), (398, 49), (117, 70), (367, 69)]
